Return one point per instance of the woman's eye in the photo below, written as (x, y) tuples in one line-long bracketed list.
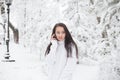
[(63, 32), (58, 32)]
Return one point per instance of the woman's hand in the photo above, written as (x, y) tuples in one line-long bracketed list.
[(53, 37), (54, 41)]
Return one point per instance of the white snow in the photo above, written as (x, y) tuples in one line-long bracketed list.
[(94, 25), (27, 66), (86, 72)]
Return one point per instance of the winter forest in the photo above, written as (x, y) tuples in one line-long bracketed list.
[(93, 24)]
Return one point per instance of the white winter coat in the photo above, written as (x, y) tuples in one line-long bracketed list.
[(59, 67)]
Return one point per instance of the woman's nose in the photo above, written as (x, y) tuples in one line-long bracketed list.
[(60, 35)]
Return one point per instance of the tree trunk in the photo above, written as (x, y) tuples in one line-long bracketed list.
[(15, 33)]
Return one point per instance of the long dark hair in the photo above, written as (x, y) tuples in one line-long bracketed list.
[(69, 42)]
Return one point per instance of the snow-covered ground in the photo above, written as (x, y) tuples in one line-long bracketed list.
[(28, 66), (94, 24)]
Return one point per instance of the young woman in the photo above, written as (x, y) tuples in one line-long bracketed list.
[(61, 54)]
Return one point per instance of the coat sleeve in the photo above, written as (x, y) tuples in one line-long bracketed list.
[(70, 65), (71, 61), (50, 58)]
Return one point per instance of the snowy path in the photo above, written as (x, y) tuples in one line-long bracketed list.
[(28, 67), (85, 72)]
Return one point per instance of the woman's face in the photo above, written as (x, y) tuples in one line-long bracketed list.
[(60, 33)]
